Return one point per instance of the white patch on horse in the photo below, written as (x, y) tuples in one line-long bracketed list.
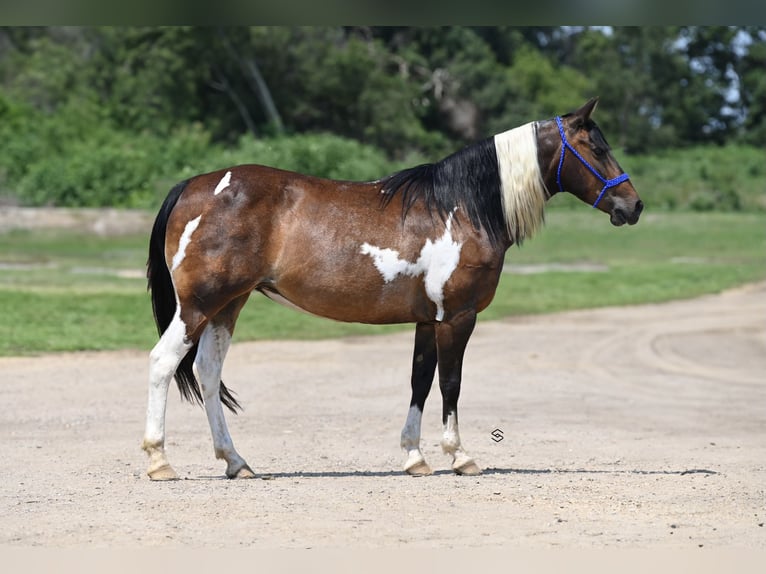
[(523, 191), (437, 261), (451, 436), (223, 184), (411, 438), (389, 264), (163, 360), (411, 430), (461, 462), (183, 243)]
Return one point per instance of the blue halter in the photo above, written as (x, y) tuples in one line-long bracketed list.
[(614, 182)]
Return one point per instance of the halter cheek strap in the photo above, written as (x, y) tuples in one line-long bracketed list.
[(614, 182)]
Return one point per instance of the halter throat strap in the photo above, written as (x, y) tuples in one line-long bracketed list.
[(565, 145)]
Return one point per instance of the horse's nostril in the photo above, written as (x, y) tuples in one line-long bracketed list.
[(639, 206)]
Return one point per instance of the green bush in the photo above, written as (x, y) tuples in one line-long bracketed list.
[(706, 178), (321, 155), (116, 169), (75, 157), (127, 170)]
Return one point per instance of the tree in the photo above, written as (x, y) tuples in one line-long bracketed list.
[(398, 88), (707, 110), (751, 70)]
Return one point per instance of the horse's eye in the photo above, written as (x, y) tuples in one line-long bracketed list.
[(599, 152)]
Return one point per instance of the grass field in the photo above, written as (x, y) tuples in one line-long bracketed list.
[(63, 291)]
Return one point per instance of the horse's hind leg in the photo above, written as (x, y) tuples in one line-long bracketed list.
[(208, 364), (423, 368), (163, 362), (451, 340)]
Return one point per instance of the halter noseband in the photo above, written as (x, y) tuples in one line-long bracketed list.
[(614, 182)]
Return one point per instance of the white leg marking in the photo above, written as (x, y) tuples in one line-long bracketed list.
[(461, 462), (437, 261), (223, 184), (416, 462), (411, 431), (211, 351), (183, 243), (451, 437), (163, 362)]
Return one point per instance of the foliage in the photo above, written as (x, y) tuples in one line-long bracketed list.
[(729, 178), (69, 161), (701, 178), (114, 115), (753, 81)]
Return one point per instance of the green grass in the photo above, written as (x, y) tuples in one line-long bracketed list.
[(701, 178), (665, 256), (66, 291)]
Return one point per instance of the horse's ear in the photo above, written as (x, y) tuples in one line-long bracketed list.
[(587, 109), (581, 116)]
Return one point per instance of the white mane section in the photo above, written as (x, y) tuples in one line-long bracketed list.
[(523, 190)]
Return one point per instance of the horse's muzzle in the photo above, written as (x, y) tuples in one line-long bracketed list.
[(620, 216)]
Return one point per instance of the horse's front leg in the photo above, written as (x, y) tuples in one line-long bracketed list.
[(451, 340), (423, 368), (208, 364)]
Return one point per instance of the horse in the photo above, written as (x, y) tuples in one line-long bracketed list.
[(425, 245)]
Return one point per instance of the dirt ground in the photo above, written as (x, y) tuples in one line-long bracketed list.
[(634, 427)]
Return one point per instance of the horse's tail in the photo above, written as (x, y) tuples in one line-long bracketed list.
[(164, 302)]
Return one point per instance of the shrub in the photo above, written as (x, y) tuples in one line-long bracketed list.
[(706, 178), (321, 155), (116, 169), (113, 168)]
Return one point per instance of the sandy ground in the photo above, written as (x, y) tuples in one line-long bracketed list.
[(637, 427)]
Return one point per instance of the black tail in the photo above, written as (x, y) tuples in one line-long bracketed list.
[(164, 302)]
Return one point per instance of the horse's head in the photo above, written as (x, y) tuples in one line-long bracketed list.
[(579, 160)]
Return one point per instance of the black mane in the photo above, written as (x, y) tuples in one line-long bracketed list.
[(469, 178)]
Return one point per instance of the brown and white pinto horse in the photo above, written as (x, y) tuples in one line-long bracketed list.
[(425, 246)]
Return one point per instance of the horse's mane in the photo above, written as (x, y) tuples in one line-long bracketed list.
[(468, 178), (497, 182)]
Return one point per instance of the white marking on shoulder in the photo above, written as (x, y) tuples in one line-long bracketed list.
[(437, 261), (440, 260), (223, 184), (183, 243), (388, 262)]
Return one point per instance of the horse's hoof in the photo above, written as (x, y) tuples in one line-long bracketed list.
[(165, 472), (420, 468), (244, 472), (467, 468)]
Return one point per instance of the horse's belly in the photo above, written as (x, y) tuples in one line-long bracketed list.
[(355, 300), (277, 298)]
